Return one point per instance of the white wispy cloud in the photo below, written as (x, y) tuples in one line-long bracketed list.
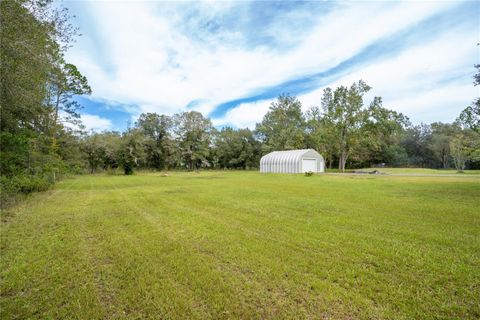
[(246, 115), (95, 123), (160, 57), (431, 81)]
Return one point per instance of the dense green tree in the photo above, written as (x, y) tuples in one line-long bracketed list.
[(440, 141), (415, 141), (346, 129), (158, 145), (25, 47), (193, 133), (35, 79), (283, 127), (382, 129), (69, 150), (36, 83), (470, 116), (94, 151), (465, 146), (111, 141), (101, 150), (344, 116), (319, 135), (237, 149), (131, 153), (395, 155)]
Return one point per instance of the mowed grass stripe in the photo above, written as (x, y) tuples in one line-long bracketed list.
[(244, 245), (48, 270), (195, 248), (122, 237), (184, 251)]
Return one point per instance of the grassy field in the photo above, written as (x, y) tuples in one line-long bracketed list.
[(228, 245), (422, 171)]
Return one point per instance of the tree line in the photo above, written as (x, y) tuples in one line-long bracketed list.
[(37, 103), (345, 130), (37, 89)]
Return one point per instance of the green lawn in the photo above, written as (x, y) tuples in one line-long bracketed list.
[(421, 171), (229, 245)]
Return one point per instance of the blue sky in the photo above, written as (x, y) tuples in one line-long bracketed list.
[(229, 60)]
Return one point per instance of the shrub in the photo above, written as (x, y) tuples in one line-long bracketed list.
[(13, 187), (308, 174), (128, 168)]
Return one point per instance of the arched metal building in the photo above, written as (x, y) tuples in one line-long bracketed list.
[(292, 161)]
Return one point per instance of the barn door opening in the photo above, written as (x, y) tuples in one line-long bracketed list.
[(309, 165)]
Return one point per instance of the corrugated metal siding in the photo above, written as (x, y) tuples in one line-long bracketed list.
[(289, 161)]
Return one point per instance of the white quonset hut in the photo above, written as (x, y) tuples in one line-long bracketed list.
[(292, 161)]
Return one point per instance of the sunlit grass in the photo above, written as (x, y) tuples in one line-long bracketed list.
[(422, 171), (245, 245), (409, 171)]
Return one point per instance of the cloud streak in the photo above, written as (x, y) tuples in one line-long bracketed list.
[(227, 59), (95, 123)]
